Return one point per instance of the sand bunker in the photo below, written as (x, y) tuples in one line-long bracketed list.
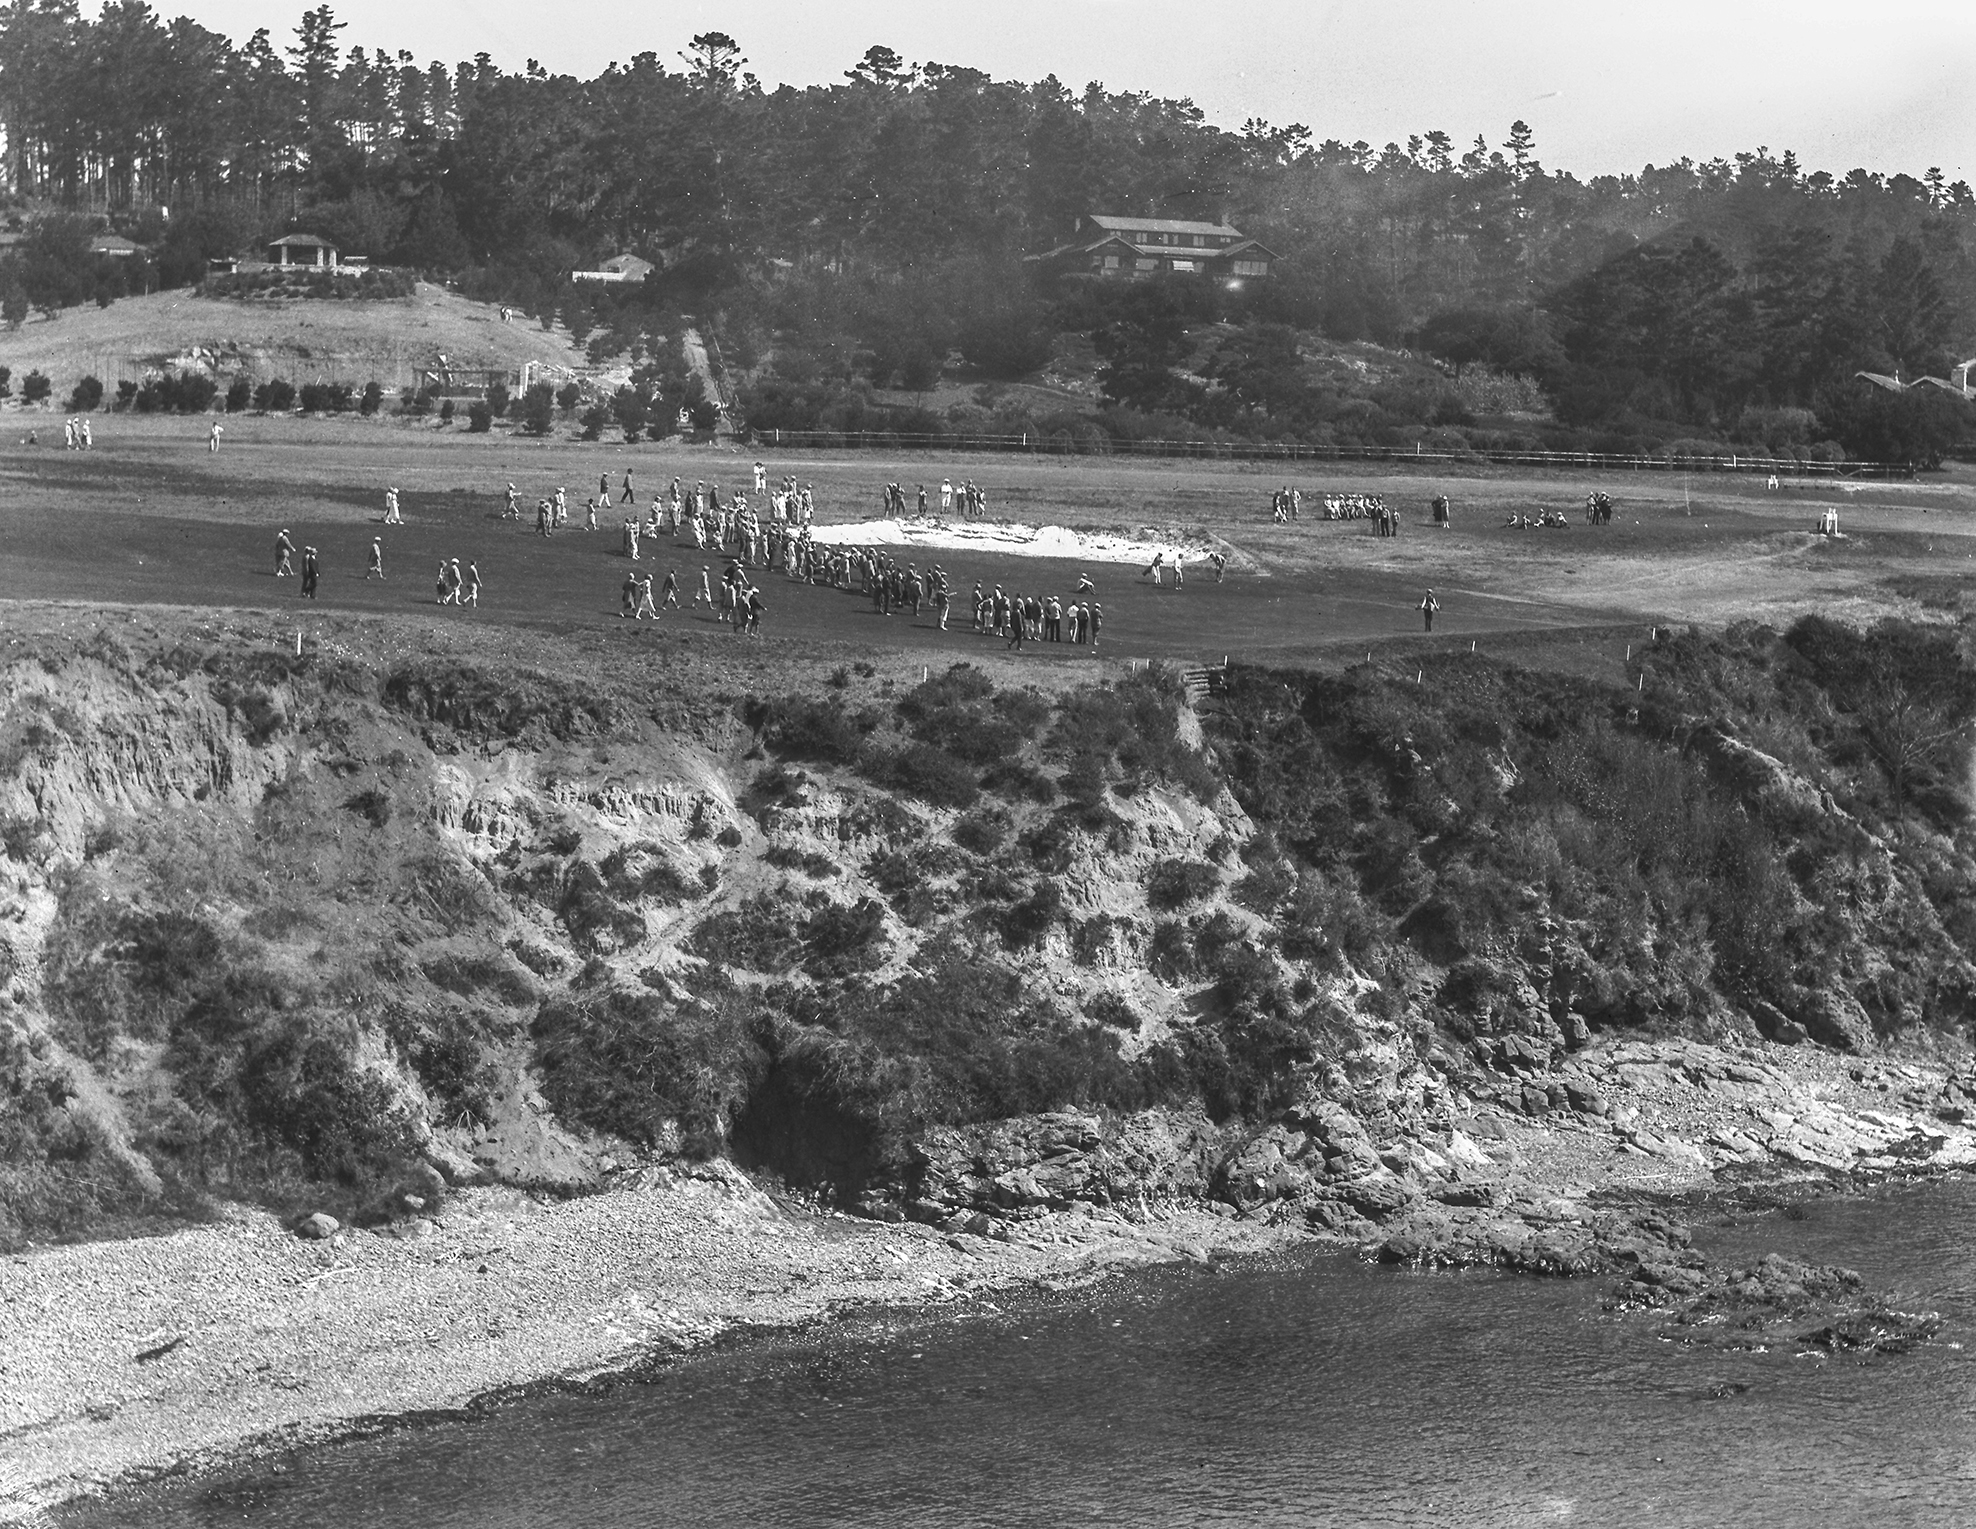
[(1005, 537)]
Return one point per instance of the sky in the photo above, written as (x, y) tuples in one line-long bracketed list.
[(1888, 84)]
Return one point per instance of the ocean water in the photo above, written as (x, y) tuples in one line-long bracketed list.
[(1311, 1391)]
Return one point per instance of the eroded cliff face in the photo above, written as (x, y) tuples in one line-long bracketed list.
[(284, 927), (318, 931)]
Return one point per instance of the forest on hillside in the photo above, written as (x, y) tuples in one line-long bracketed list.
[(857, 236)]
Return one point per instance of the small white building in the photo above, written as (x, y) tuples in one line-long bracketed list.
[(618, 270)]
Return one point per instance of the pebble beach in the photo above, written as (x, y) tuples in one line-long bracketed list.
[(129, 1360)]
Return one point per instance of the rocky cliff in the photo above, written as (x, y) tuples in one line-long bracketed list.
[(341, 929)]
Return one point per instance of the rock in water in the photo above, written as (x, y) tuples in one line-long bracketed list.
[(317, 1225)]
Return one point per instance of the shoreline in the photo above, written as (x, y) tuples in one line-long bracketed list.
[(151, 1358), (276, 1344)]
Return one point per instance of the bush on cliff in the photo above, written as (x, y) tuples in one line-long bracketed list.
[(625, 1061)]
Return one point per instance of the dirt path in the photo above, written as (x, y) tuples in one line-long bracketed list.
[(698, 361)]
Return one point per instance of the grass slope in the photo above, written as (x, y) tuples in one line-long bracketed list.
[(303, 340)]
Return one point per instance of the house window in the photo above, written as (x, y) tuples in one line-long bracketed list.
[(1111, 263), (1186, 265), (1146, 265), (1251, 267)]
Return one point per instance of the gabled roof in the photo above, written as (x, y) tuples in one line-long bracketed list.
[(113, 244), (1089, 247), (1939, 382), (630, 265), (301, 242), (1161, 226), (1882, 380), (1246, 247)]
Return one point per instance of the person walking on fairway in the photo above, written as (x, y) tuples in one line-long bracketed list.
[(391, 515), (1429, 605), (470, 590), (283, 549), (376, 563), (629, 497), (311, 572), (213, 436)]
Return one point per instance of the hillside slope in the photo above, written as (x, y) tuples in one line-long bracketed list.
[(300, 340), (322, 932)]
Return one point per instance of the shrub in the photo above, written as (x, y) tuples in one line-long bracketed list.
[(324, 398), (371, 401), (1051, 844), (1172, 884), (446, 412), (186, 393), (480, 418), (1092, 937), (623, 1060), (1109, 1008), (275, 396), (538, 409), (801, 728), (895, 870), (1027, 922), (35, 388), (788, 857), (983, 830), (497, 399), (644, 870), (595, 918), (1017, 781), (592, 422), (961, 712), (931, 774), (1133, 728), (239, 393), (965, 1041), (87, 397), (842, 941), (759, 935), (1170, 952)]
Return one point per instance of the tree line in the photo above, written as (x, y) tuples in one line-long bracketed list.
[(900, 200)]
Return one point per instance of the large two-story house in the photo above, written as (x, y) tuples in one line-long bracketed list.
[(1103, 245)]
